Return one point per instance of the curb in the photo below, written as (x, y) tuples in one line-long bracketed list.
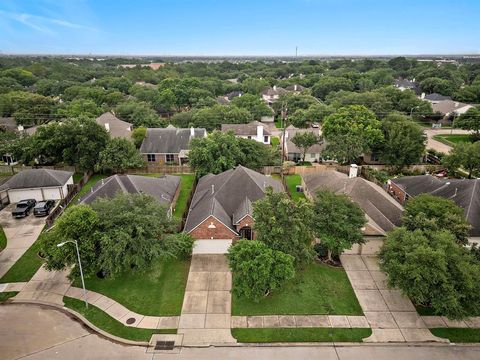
[(84, 321)]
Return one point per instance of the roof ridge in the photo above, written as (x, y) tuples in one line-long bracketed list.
[(92, 191), (471, 198)]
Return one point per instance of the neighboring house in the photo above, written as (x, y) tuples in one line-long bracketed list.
[(153, 66), (115, 127), (169, 145), (8, 124), (293, 153), (164, 189), (464, 192), (234, 94), (223, 100), (450, 107), (270, 95), (295, 88), (405, 84), (254, 130), (221, 208), (434, 97), (382, 212), (38, 184)]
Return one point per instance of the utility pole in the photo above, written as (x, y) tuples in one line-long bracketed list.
[(296, 53), (284, 123)]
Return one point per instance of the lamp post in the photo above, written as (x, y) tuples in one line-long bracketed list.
[(79, 265)]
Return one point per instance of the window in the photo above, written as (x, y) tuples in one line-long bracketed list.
[(169, 158), (249, 137), (151, 158), (265, 139)]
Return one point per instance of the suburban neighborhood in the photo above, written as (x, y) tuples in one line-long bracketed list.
[(278, 207)]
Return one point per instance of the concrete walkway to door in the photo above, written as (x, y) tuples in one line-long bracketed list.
[(206, 312)]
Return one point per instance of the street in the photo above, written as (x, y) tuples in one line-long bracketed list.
[(35, 332)]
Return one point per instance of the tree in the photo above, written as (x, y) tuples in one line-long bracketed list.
[(433, 213), (256, 155), (138, 113), (255, 105), (211, 118), (470, 120), (119, 155), (27, 108), (437, 85), (338, 222), (433, 270), (74, 142), (77, 223), (351, 131), (214, 154), (284, 225), (404, 141), (258, 270), (328, 84), (464, 155), (80, 107), (304, 141), (138, 134)]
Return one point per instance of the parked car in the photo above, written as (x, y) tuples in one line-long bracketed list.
[(23, 208), (43, 208)]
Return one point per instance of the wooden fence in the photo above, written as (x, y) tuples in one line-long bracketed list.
[(162, 169), (15, 169)]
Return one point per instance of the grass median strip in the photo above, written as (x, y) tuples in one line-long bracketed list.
[(3, 239), (452, 139), (458, 335), (300, 335), (7, 295), (105, 322)]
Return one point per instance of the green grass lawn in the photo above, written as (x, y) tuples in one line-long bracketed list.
[(454, 138), (105, 322), (26, 266), (292, 181), (186, 187), (157, 291), (3, 239), (458, 335), (275, 141), (7, 295), (300, 335), (318, 289)]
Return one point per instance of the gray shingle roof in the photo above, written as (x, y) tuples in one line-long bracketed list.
[(383, 213), (169, 140), (163, 189), (464, 192), (405, 83), (223, 195), (295, 87), (8, 123), (245, 208), (249, 129), (117, 127), (276, 90), (436, 97), (36, 178)]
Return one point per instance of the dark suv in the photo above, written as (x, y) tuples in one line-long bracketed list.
[(23, 208), (43, 208)]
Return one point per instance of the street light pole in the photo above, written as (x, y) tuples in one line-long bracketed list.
[(80, 267)]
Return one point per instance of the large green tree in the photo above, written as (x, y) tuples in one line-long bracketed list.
[(256, 106), (328, 84), (285, 225), (119, 155), (257, 269), (464, 155), (338, 222), (351, 131), (433, 213), (304, 141), (433, 270), (470, 120)]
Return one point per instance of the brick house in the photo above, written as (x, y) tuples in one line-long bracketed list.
[(168, 145), (254, 130), (221, 209)]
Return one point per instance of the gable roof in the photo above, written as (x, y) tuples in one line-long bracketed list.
[(8, 123), (291, 148), (383, 213), (233, 94), (163, 189), (295, 87), (169, 140), (37, 178), (249, 129), (449, 106), (405, 83), (228, 196), (276, 90), (116, 127), (464, 192), (436, 97)]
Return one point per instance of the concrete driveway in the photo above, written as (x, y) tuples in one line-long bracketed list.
[(437, 145), (21, 234)]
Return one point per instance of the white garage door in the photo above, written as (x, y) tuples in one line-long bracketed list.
[(51, 194), (211, 246), (18, 195)]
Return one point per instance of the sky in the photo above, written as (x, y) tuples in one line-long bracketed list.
[(240, 27)]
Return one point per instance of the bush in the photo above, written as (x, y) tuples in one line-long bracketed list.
[(257, 269)]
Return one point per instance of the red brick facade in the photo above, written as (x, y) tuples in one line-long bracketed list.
[(220, 231), (247, 221), (398, 193)]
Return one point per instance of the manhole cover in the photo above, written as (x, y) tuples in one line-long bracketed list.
[(164, 345), (130, 321)]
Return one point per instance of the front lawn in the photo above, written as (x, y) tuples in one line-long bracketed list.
[(300, 335), (458, 335), (7, 295), (292, 181), (26, 266), (452, 139), (157, 291), (318, 289), (105, 322), (3, 239)]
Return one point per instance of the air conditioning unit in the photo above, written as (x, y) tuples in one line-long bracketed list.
[(299, 188)]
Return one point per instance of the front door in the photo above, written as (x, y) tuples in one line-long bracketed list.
[(246, 233)]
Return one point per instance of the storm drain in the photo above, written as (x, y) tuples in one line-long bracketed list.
[(164, 345), (130, 321)]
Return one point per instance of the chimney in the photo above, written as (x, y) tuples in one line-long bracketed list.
[(275, 87), (213, 189), (295, 87), (20, 128), (422, 96), (260, 133), (192, 132), (107, 127)]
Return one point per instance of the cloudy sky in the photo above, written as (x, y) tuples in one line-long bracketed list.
[(245, 27)]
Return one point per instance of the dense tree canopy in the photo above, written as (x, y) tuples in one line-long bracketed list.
[(470, 120), (119, 155), (464, 156)]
